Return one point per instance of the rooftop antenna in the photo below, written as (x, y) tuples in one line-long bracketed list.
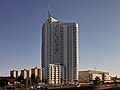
[(95, 68), (49, 13)]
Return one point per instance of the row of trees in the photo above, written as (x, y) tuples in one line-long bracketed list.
[(33, 79), (3, 82), (97, 81)]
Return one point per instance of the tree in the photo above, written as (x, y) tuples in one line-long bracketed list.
[(20, 78), (45, 80), (75, 81), (97, 81), (3, 82), (34, 79), (115, 80), (61, 81)]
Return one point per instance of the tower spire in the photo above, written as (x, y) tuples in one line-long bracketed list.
[(49, 13)]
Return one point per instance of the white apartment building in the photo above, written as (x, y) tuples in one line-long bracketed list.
[(56, 74), (60, 45)]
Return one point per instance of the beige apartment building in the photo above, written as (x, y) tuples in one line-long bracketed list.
[(37, 72), (14, 74), (25, 73)]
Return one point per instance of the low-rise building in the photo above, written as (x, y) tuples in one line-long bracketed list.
[(25, 73), (90, 75), (9, 79), (37, 72), (40, 74), (106, 76), (34, 71), (14, 74)]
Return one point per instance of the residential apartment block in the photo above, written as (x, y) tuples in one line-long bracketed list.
[(56, 74), (25, 73), (37, 72), (14, 74)]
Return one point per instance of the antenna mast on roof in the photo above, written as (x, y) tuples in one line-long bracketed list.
[(49, 13), (95, 68)]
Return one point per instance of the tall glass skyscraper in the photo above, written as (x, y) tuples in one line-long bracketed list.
[(60, 46)]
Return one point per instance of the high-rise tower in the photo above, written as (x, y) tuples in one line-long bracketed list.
[(60, 46)]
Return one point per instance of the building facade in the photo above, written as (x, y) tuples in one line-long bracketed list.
[(56, 74), (34, 71), (90, 75), (37, 72), (25, 73), (14, 74), (106, 77), (40, 74), (60, 46)]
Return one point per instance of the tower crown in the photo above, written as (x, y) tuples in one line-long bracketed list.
[(50, 18), (49, 13)]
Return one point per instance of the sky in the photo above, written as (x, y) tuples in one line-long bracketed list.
[(21, 27)]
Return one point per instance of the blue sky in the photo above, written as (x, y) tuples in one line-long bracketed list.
[(99, 32)]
